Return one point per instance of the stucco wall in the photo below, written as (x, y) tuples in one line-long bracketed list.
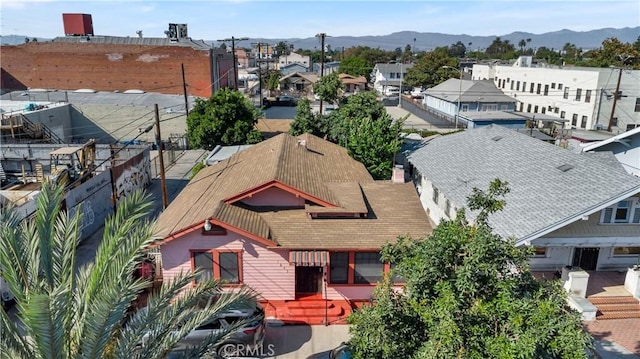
[(265, 270), (106, 67)]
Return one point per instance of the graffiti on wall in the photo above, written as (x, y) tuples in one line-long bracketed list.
[(86, 211), (93, 200), (132, 175)]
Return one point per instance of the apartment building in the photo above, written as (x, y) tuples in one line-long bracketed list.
[(585, 96)]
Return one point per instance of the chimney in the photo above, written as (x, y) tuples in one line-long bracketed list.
[(397, 176), (302, 143)]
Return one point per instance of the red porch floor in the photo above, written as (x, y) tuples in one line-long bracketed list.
[(311, 310)]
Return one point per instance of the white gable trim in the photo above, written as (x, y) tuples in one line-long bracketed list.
[(618, 138), (526, 240)]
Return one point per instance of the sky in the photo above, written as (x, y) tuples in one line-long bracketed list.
[(212, 20)]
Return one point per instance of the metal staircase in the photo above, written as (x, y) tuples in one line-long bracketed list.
[(18, 128)]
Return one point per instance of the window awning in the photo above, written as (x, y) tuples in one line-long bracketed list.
[(308, 258)]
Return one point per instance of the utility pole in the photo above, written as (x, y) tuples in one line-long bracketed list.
[(615, 100), (163, 179), (322, 36), (235, 60), (184, 90), (260, 72)]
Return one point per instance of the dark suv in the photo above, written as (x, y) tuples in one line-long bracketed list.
[(245, 339)]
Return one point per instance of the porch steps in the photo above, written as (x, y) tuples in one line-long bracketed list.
[(616, 307), (311, 312)]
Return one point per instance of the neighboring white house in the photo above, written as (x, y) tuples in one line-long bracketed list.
[(625, 146), (444, 98), (582, 95), (294, 58), (579, 209), (385, 75)]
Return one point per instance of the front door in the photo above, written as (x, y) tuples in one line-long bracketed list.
[(586, 258), (308, 280)]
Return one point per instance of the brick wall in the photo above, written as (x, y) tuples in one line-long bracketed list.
[(106, 67)]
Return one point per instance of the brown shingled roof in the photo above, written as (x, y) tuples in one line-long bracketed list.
[(395, 210), (313, 168), (304, 163)]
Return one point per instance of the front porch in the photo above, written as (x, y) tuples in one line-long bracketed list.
[(607, 292)]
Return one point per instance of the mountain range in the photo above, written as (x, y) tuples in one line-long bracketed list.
[(424, 41)]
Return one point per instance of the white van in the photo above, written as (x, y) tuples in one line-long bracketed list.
[(392, 91)]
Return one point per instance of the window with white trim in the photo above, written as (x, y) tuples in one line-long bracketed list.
[(626, 251), (540, 252), (436, 194), (623, 212)]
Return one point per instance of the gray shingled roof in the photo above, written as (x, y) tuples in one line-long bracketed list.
[(482, 91), (387, 68), (542, 198)]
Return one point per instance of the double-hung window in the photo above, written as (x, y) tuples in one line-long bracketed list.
[(223, 265), (368, 268), (339, 268)]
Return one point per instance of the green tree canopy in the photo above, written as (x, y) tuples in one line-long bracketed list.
[(306, 121), (362, 125), (69, 312), (328, 87), (226, 118), (430, 69), (355, 66), (469, 293)]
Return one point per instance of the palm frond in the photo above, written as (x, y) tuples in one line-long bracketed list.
[(14, 254), (125, 235), (171, 323), (106, 315), (38, 315), (12, 343), (48, 206)]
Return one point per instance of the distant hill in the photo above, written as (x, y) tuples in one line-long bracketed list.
[(17, 39), (430, 40)]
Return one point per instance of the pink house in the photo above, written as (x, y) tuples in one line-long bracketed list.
[(295, 218)]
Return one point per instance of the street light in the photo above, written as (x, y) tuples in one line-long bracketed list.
[(459, 92)]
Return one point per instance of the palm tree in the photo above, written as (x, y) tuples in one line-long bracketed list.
[(69, 312), (522, 43)]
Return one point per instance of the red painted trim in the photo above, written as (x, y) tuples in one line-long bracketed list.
[(224, 225), (282, 186), (216, 262), (352, 268), (215, 254), (247, 234)]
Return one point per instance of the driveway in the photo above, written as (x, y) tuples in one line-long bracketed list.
[(303, 341)]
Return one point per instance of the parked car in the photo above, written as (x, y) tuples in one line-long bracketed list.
[(247, 338), (340, 352)]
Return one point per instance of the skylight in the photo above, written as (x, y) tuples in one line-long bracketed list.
[(565, 167), (496, 138)]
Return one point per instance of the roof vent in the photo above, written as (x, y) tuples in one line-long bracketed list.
[(565, 167), (496, 138)]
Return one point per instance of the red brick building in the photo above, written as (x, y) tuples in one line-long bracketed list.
[(108, 63)]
